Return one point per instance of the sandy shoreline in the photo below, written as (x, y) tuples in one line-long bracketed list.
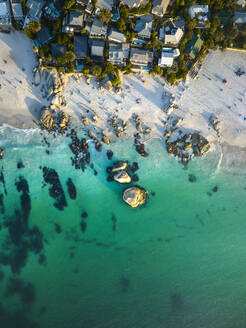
[(195, 100)]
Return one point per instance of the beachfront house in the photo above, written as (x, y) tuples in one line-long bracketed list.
[(80, 46), (98, 29), (97, 50), (141, 58), (116, 36), (169, 33), (201, 13), (143, 26), (34, 11), (240, 18), (131, 3), (159, 7), (105, 4), (193, 47), (167, 57), (82, 3), (241, 3), (5, 15), (17, 10), (44, 36), (73, 22), (118, 53)]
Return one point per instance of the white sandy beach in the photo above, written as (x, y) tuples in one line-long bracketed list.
[(196, 99)]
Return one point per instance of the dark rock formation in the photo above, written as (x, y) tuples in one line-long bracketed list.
[(56, 191)]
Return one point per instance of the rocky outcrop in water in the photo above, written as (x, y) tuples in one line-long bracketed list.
[(120, 165), (122, 177), (56, 191), (134, 196), (187, 145)]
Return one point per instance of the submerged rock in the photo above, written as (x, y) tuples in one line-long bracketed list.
[(141, 150), (134, 196), (122, 177), (110, 154), (71, 189)]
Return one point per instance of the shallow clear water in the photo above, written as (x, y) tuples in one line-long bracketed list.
[(179, 261)]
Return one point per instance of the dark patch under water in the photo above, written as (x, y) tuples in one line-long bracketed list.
[(20, 164), (24, 290), (124, 284), (176, 301), (56, 191), (15, 319), (114, 220), (22, 186), (58, 228), (71, 189)]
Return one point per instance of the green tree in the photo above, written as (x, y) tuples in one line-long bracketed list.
[(109, 68), (70, 56), (70, 68), (34, 27), (124, 12), (116, 80), (121, 25), (29, 33), (104, 16), (69, 4), (61, 59), (86, 71), (96, 70)]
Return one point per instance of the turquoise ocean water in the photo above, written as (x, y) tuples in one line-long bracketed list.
[(177, 262)]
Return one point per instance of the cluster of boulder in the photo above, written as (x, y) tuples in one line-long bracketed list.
[(139, 127), (80, 150), (187, 145), (118, 125), (52, 120), (52, 86), (140, 146), (98, 144), (122, 172), (137, 137)]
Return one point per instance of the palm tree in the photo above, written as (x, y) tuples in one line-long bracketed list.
[(96, 70)]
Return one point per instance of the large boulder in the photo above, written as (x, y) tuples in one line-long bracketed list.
[(122, 177), (46, 119), (134, 196), (63, 120), (119, 166)]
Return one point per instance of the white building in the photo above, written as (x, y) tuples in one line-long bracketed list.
[(241, 3), (167, 57), (170, 33), (199, 11), (116, 36), (159, 7), (5, 17)]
